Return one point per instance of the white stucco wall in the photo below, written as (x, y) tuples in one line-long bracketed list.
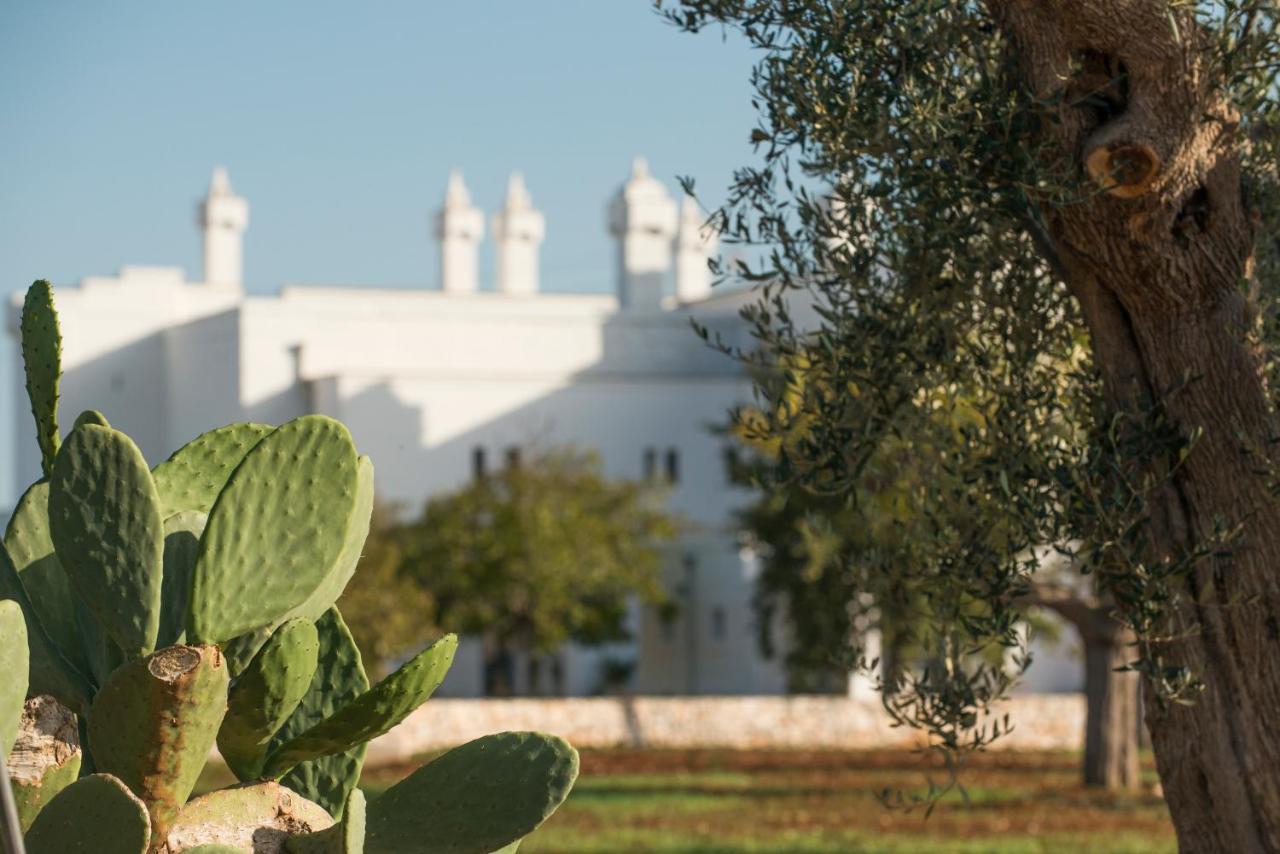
[(425, 378), (118, 352)]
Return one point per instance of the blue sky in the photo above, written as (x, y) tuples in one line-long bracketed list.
[(339, 122)]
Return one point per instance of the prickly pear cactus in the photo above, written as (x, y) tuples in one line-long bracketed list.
[(147, 614), (42, 356)]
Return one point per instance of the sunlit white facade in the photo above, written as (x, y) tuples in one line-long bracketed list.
[(439, 383), (435, 383)]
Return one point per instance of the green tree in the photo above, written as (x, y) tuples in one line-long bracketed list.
[(970, 190), (530, 557)]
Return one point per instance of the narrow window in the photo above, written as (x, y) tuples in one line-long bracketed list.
[(477, 463), (717, 623), (557, 676), (513, 457), (673, 465), (650, 463), (534, 669)]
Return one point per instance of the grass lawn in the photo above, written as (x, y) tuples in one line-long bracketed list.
[(803, 802)]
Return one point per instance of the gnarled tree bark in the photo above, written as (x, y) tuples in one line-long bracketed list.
[(1156, 262)]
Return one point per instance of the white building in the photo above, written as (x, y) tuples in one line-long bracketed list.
[(435, 384)]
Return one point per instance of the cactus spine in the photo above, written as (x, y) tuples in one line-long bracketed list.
[(193, 603)]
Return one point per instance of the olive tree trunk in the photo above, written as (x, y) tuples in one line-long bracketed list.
[(1111, 724), (1111, 688), (1156, 263)]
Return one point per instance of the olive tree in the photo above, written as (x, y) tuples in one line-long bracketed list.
[(968, 190), (831, 567)]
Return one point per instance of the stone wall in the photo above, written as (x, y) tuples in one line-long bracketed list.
[(1040, 722)]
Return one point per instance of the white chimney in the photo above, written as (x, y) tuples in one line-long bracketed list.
[(459, 228), (643, 218), (223, 217), (518, 230), (696, 242)]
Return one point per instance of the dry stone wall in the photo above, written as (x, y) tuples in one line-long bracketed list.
[(1040, 721)]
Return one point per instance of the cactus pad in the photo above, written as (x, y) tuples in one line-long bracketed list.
[(265, 695), (182, 533), (14, 665), (276, 529), (31, 548), (49, 672), (154, 723), (336, 579), (94, 815), (91, 416), (194, 475), (484, 795), (255, 817), (103, 653), (42, 359), (372, 713), (339, 679), (72, 630), (45, 758), (104, 518), (241, 650)]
